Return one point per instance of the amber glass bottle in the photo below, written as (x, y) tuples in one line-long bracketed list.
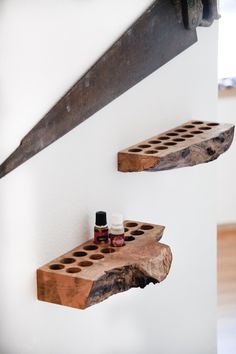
[(101, 231)]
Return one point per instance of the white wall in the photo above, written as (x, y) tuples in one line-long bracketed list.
[(226, 168), (227, 49), (48, 204)]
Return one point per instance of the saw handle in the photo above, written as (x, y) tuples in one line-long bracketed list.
[(199, 13), (210, 12)]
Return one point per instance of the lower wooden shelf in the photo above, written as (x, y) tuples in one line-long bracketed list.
[(91, 273)]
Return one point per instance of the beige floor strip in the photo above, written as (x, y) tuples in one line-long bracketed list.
[(227, 289)]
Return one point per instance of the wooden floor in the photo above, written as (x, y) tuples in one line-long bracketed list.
[(227, 289)]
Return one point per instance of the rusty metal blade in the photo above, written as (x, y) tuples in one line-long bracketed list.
[(155, 38)]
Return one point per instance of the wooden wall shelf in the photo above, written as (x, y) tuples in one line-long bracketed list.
[(91, 273), (192, 143)]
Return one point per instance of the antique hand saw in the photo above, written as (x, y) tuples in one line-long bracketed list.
[(167, 28)]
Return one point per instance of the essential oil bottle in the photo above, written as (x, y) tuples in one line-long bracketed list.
[(117, 232), (101, 231)]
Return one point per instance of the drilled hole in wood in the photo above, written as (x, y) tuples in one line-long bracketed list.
[(197, 132), (197, 122), (135, 150), (131, 224), (79, 254), (206, 128), (180, 130), (67, 260), (96, 256), (73, 270), (189, 126), (170, 143), (155, 142), (179, 140), (108, 250), (188, 136), (213, 124), (144, 146), (151, 152), (85, 264), (137, 233), (162, 147), (146, 227), (164, 138), (129, 238), (56, 266), (172, 134), (90, 248)]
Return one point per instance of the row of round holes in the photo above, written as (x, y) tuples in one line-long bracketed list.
[(174, 134), (68, 260)]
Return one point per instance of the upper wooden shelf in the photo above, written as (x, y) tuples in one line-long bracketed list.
[(92, 272), (192, 143)]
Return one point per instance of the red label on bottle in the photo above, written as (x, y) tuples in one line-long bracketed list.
[(117, 240), (100, 237)]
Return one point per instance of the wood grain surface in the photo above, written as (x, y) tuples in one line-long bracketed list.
[(91, 273), (227, 289), (230, 92), (190, 144)]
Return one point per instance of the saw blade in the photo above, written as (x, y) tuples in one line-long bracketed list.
[(154, 39)]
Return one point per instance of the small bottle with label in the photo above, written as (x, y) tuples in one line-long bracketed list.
[(117, 232), (101, 231)]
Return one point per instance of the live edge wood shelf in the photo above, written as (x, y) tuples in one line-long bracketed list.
[(91, 273), (192, 143)]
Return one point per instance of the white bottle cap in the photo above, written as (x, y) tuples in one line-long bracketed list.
[(117, 219)]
